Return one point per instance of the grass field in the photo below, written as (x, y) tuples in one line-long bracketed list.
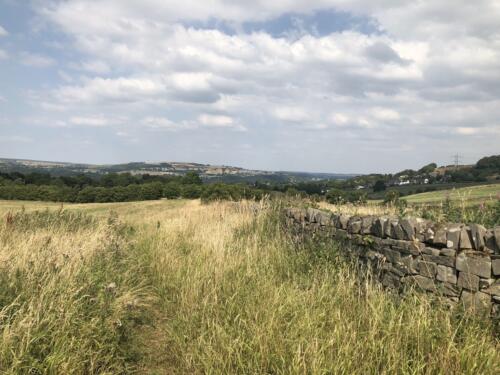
[(473, 195), (177, 287)]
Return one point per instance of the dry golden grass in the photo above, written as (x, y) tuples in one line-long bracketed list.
[(236, 297), (69, 287), (218, 288), (361, 210)]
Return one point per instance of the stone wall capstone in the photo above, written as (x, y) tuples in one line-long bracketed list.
[(460, 262)]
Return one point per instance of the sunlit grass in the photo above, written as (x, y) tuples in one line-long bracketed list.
[(219, 289), (70, 290), (238, 297), (472, 195), (366, 209)]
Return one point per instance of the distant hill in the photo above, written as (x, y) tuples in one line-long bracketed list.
[(208, 172)]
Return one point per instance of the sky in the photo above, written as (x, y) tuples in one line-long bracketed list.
[(343, 86)]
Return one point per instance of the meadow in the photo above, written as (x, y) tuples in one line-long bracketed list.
[(176, 287), (471, 194)]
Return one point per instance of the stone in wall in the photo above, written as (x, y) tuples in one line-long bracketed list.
[(495, 265), (409, 225), (465, 238), (354, 225), (440, 238), (378, 228), (496, 232), (424, 283), (468, 281), (477, 302), (479, 266), (446, 274), (478, 232), (428, 269), (440, 259), (453, 237)]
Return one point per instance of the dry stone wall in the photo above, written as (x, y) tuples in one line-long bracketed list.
[(460, 262)]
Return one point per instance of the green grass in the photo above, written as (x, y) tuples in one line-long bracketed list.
[(216, 289), (473, 195)]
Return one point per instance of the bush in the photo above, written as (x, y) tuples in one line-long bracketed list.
[(337, 196)]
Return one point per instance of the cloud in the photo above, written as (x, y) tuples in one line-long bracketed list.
[(467, 131), (220, 121), (91, 121), (3, 32), (70, 12), (216, 121), (99, 90), (3, 54), (385, 114), (193, 87), (421, 69), (405, 18), (35, 60), (202, 121), (291, 114), (162, 123), (384, 53), (96, 66)]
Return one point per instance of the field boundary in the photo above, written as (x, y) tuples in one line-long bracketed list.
[(457, 261)]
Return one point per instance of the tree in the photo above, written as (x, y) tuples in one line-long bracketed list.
[(172, 190), (192, 178), (379, 186), (429, 168), (152, 191), (489, 162), (335, 196), (191, 191)]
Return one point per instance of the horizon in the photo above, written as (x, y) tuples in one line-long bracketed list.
[(313, 86), (439, 165)]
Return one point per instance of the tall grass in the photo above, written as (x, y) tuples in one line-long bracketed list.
[(237, 297), (216, 289), (70, 294), (487, 213), (459, 210)]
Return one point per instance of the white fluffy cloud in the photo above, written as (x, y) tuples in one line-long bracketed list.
[(202, 121), (3, 32), (432, 67), (217, 121), (97, 90), (92, 121)]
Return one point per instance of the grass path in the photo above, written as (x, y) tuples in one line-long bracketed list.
[(235, 297)]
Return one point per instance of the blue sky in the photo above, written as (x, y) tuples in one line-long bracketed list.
[(312, 85)]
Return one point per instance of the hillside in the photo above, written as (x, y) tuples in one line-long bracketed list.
[(208, 172)]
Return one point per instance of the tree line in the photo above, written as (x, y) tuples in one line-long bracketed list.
[(118, 188)]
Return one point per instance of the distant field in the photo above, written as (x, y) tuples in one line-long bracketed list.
[(407, 190), (472, 194), (143, 211)]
